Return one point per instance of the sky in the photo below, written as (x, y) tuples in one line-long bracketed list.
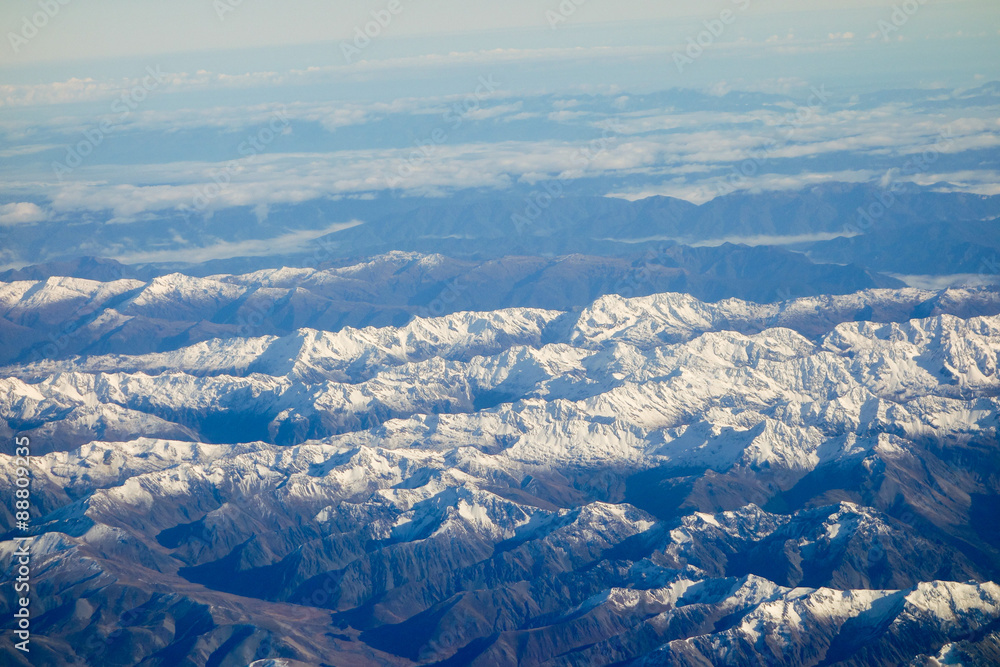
[(122, 110), (81, 32), (125, 28), (572, 44)]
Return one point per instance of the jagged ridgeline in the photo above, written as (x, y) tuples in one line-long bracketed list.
[(649, 480)]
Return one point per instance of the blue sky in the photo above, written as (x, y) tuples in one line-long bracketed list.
[(103, 38), (545, 46)]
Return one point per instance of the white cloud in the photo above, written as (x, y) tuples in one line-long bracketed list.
[(947, 281), (287, 243), (59, 92), (567, 104), (761, 135), (681, 149), (20, 213), (707, 189), (83, 90), (485, 113), (759, 240), (18, 151), (980, 182), (565, 115)]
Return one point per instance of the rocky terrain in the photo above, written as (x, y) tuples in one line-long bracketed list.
[(43, 316), (649, 480)]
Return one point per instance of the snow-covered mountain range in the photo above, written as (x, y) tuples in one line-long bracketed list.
[(650, 480)]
